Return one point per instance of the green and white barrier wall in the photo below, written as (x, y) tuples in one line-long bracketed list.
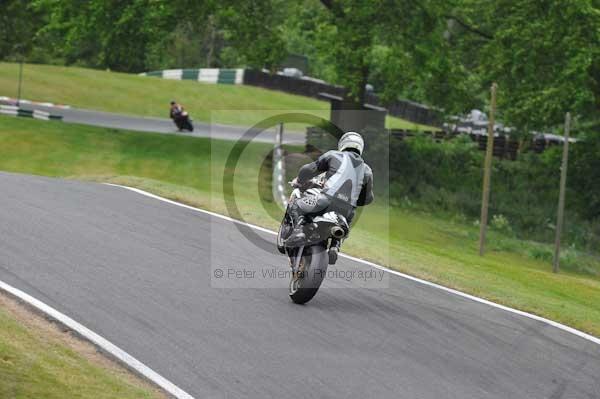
[(303, 86), (206, 75), (36, 113)]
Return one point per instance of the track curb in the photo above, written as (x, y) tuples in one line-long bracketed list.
[(105, 347)]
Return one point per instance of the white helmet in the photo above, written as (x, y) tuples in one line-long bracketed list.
[(351, 140)]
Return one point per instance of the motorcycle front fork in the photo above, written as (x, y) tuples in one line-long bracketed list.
[(296, 263), (334, 246)]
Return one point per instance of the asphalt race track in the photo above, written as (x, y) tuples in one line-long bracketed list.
[(160, 125), (138, 272)]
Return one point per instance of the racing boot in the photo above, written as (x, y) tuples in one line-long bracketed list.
[(334, 249)]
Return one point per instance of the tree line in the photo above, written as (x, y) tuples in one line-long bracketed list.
[(545, 55)]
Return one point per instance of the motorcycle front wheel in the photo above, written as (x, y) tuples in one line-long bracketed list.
[(313, 265)]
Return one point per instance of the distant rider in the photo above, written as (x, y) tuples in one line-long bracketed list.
[(349, 183), (176, 110)]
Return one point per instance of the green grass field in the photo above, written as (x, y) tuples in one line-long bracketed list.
[(148, 96), (191, 170)]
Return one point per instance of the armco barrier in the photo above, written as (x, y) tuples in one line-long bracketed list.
[(409, 110), (301, 86)]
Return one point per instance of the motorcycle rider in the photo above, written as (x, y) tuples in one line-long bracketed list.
[(176, 113), (176, 110), (349, 183)]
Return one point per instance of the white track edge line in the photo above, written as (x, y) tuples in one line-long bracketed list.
[(100, 341), (552, 323)]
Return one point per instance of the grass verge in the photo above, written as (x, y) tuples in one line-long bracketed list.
[(149, 96), (38, 360), (191, 170)]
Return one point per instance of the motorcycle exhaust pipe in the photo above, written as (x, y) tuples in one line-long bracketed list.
[(337, 232)]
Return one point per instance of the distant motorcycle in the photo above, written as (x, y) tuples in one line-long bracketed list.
[(182, 120), (309, 260)]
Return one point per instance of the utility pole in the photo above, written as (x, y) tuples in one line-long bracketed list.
[(20, 80), (487, 172), (561, 195)]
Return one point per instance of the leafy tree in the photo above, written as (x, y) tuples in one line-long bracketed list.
[(138, 35), (353, 42), (19, 23), (545, 55), (253, 29), (400, 46), (307, 30), (584, 177), (108, 34)]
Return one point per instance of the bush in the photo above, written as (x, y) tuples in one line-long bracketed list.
[(447, 177), (501, 223)]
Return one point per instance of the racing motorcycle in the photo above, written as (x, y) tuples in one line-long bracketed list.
[(183, 121), (309, 259)]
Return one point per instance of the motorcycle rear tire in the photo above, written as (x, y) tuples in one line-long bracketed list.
[(315, 259)]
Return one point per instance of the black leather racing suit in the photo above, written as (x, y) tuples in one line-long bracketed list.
[(349, 183)]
